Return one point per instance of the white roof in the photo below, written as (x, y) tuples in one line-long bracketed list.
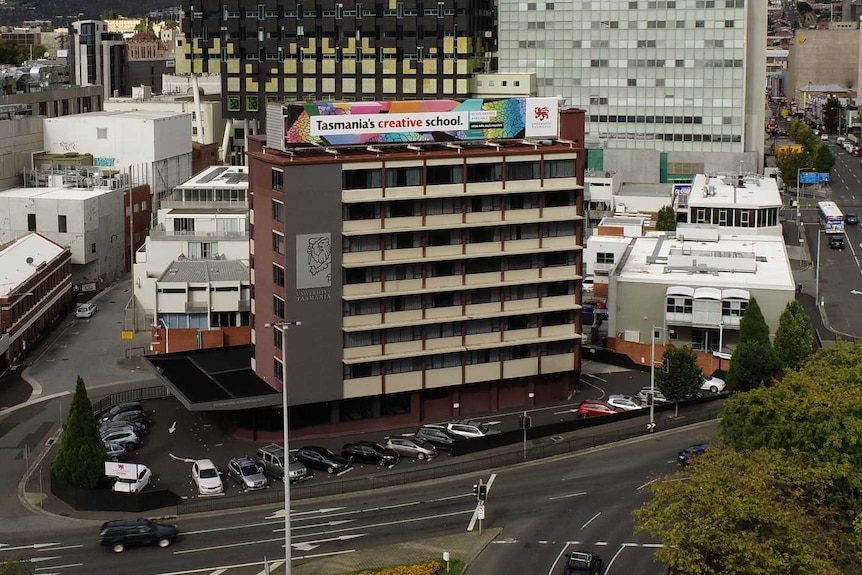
[(120, 115), (766, 255), (223, 177), (57, 193), (724, 191), (19, 260)]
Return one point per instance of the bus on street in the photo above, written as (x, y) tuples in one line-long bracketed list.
[(831, 218)]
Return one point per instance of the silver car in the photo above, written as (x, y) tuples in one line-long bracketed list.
[(249, 476), (411, 447), (125, 437)]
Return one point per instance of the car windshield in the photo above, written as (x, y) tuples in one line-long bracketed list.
[(326, 453), (248, 469), (208, 473)]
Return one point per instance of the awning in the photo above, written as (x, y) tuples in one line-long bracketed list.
[(707, 293), (680, 290), (736, 294), (217, 379)]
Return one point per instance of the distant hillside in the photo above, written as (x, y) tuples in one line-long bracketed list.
[(61, 12)]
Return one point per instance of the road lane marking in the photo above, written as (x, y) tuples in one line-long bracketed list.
[(66, 566), (650, 482), (52, 549), (591, 519), (614, 558), (453, 497), (553, 569), (578, 494), (210, 569)]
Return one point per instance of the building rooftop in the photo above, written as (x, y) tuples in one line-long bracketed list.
[(731, 262), (200, 271), (123, 115), (56, 193), (20, 259), (218, 177), (724, 191), (646, 190), (164, 99)]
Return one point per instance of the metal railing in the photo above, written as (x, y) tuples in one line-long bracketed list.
[(140, 394)]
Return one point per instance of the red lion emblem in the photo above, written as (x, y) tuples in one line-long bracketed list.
[(542, 113)]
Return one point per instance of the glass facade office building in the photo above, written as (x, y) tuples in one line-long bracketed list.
[(671, 75)]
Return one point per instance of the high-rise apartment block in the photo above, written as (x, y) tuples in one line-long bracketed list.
[(274, 51)]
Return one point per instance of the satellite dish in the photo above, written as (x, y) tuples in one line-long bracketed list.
[(29, 261)]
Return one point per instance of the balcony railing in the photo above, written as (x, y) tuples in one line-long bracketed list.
[(160, 233)]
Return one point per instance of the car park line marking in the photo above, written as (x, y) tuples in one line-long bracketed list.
[(648, 483), (348, 470), (52, 549), (37, 559), (614, 558), (578, 494), (280, 513), (593, 518), (595, 377), (59, 566), (218, 572), (173, 427), (267, 567), (183, 459), (330, 554), (453, 497), (573, 410), (210, 569), (31, 546), (327, 524)]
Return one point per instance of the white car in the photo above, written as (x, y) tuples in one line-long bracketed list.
[(713, 385), (206, 477), (469, 428), (658, 397), (85, 310), (587, 284), (625, 402), (134, 485)]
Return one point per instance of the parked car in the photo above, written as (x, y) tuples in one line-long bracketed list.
[(207, 477), (582, 563), (856, 151), (824, 137), (115, 451), (468, 429), (713, 385), (321, 458), (132, 532), (625, 402), (836, 242), (85, 310), (134, 484), (369, 452), (138, 428), (686, 456), (271, 458), (411, 447), (107, 414), (851, 219), (658, 397), (124, 436), (587, 284), (595, 407), (249, 476), (436, 436), (132, 416)]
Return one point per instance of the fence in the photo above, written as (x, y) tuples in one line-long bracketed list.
[(514, 453), (155, 392)]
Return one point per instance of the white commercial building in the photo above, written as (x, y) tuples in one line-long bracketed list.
[(696, 290), (683, 77), (90, 221), (736, 203), (203, 220), (156, 147)]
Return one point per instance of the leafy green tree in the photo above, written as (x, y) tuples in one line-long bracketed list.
[(831, 113), (752, 326), (108, 15), (680, 376), (666, 219), (823, 160), (794, 338), (81, 457), (16, 565), (789, 165), (752, 364), (752, 513)]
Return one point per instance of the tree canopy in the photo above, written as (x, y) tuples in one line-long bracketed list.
[(680, 375), (794, 338), (754, 360), (752, 326), (666, 219), (81, 457)]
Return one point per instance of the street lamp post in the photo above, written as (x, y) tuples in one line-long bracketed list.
[(652, 377), (798, 208), (817, 273), (167, 335), (282, 326)]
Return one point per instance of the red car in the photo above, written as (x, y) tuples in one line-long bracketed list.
[(594, 407)]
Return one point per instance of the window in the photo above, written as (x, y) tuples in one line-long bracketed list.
[(101, 133), (361, 179), (679, 305), (444, 175), (61, 224), (522, 171), (278, 275), (277, 337), (399, 177), (278, 307), (277, 211), (559, 168), (733, 308), (277, 243), (478, 173), (605, 258), (277, 369), (277, 179), (729, 23), (93, 248), (632, 82), (31, 222)]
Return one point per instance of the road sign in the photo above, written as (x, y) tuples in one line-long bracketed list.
[(823, 177), (809, 177), (480, 512), (650, 426), (128, 334)]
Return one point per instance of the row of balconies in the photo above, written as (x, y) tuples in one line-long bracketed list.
[(177, 303), (459, 343), (459, 282), (460, 189), (458, 375), (689, 319), (394, 319), (460, 251)]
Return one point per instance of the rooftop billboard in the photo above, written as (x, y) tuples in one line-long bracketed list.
[(417, 121)]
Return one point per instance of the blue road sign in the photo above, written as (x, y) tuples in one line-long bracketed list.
[(823, 177), (808, 177)]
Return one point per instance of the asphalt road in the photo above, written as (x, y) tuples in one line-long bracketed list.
[(579, 501)]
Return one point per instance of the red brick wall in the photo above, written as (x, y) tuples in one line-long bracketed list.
[(140, 220), (640, 354), (186, 339)]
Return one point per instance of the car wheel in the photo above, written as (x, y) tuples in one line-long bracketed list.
[(382, 463), (713, 389), (164, 542), (118, 547), (330, 470), (114, 458), (130, 446), (582, 416), (420, 456)]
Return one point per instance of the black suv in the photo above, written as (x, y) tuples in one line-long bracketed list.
[(130, 532), (369, 452), (582, 563), (836, 242), (436, 436)]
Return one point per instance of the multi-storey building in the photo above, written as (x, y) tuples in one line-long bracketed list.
[(433, 280), (99, 57), (273, 51), (674, 76)]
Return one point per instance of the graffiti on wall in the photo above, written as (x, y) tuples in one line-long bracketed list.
[(104, 162)]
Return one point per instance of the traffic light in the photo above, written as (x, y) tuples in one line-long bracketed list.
[(649, 398), (525, 421), (483, 492), (476, 490)]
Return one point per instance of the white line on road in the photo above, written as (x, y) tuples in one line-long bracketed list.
[(268, 567), (220, 571), (553, 568), (596, 377), (648, 483), (453, 497), (327, 524), (59, 566), (578, 494), (210, 569), (591, 519), (614, 558), (52, 549), (601, 543), (566, 411)]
